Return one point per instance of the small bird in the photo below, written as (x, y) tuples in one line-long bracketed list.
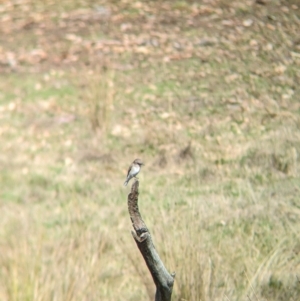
[(133, 170)]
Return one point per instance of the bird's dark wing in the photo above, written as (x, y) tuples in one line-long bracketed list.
[(129, 170)]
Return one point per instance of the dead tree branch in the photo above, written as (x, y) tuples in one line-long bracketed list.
[(162, 278)]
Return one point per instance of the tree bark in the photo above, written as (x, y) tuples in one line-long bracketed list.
[(162, 278)]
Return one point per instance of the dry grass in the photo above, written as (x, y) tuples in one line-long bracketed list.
[(207, 95)]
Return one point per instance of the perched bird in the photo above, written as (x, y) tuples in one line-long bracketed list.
[(133, 170)]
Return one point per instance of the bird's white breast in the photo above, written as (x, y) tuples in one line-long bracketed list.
[(134, 170)]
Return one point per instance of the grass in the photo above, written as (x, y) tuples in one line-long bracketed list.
[(224, 213)]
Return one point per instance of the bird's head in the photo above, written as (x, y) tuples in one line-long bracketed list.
[(139, 162)]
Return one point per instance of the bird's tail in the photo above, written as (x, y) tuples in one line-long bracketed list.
[(125, 183)]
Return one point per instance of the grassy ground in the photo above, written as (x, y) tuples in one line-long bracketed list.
[(205, 93)]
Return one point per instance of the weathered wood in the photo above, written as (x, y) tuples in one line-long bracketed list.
[(162, 278)]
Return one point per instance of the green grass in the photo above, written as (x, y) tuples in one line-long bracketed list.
[(224, 215)]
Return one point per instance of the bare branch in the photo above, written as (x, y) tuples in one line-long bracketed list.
[(162, 278)]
